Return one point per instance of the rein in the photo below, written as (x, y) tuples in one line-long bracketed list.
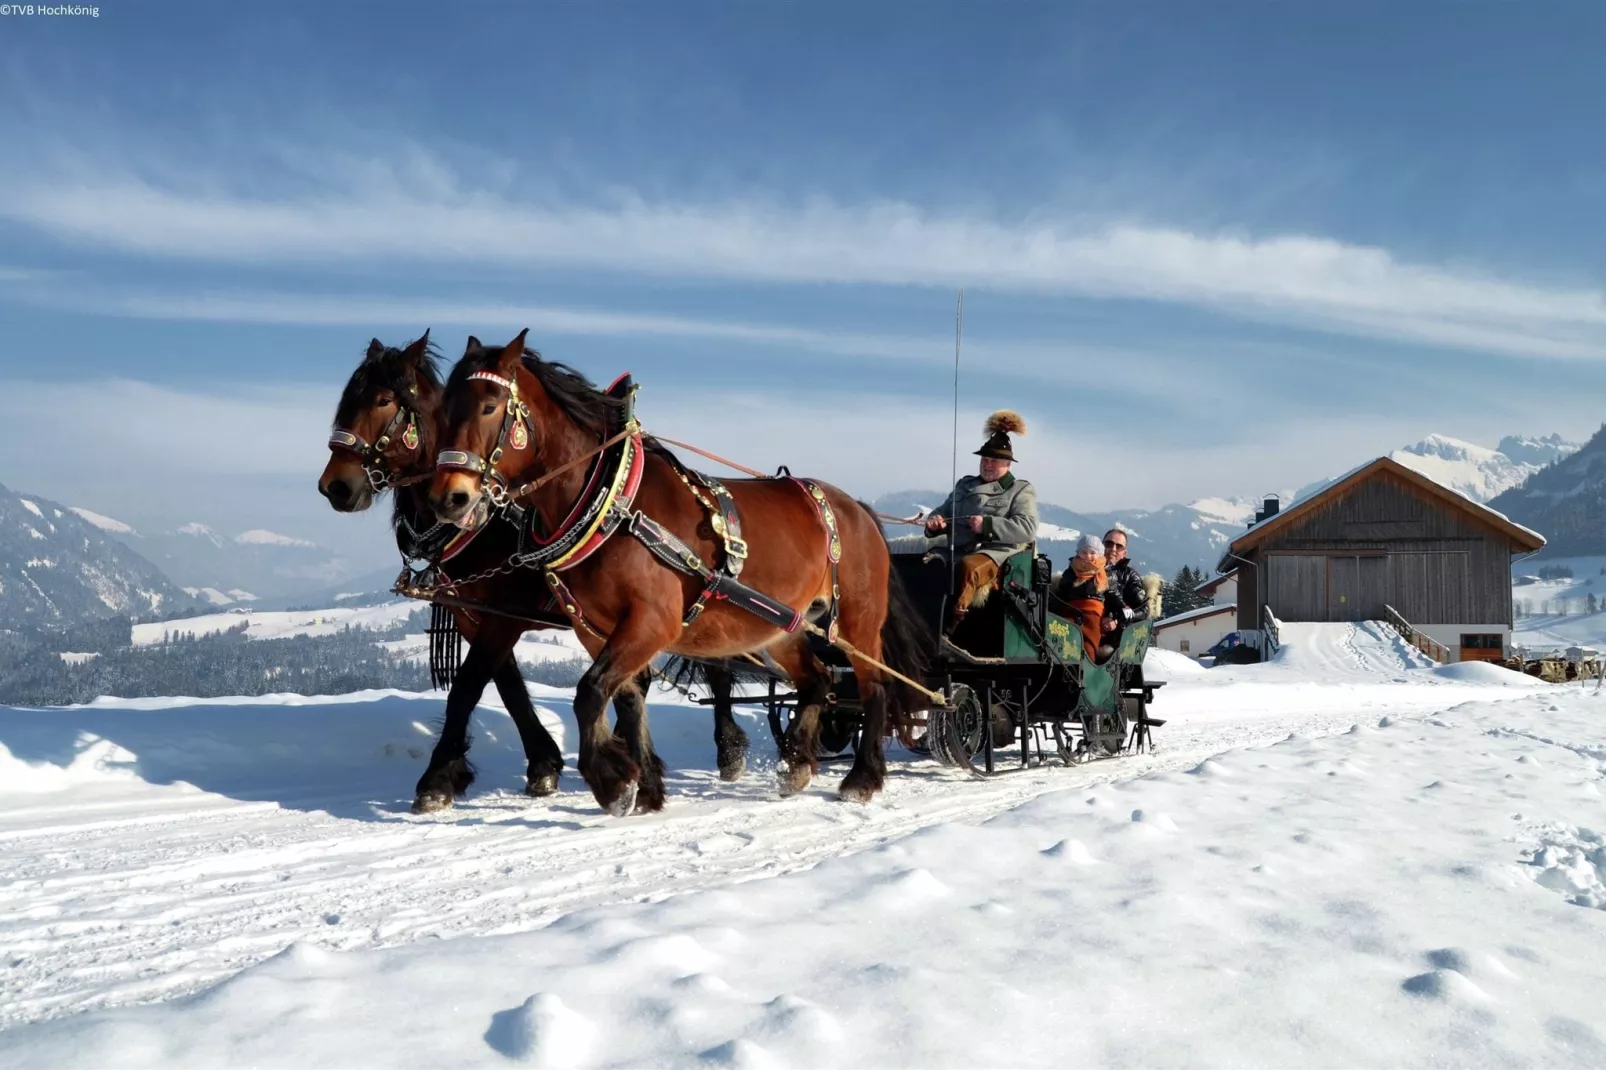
[(764, 475)]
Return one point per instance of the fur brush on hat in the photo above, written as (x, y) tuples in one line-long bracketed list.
[(1005, 421)]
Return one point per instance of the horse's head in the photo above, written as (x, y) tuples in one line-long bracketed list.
[(384, 426), (488, 432)]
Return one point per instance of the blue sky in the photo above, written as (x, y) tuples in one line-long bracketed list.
[(1207, 249)]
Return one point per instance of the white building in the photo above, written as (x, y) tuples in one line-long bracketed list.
[(1223, 590), (1196, 631)]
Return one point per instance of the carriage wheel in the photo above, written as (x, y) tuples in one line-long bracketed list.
[(955, 731)]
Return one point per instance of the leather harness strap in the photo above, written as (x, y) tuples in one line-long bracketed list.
[(372, 457)]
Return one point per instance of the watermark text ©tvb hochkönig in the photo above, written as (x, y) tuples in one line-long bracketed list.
[(90, 11)]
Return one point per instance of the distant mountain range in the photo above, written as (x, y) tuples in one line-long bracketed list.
[(1565, 502), (1478, 472), (58, 568), (222, 569)]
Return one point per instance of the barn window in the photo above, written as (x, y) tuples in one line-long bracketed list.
[(1184, 646)]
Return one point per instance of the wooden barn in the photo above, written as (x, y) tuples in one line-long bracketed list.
[(1384, 543)]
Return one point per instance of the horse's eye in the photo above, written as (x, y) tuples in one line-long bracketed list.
[(490, 407), (385, 402)]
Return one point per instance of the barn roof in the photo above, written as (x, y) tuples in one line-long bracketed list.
[(1521, 538)]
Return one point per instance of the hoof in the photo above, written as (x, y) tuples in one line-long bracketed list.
[(793, 779), (626, 801), (733, 771), (428, 802), (538, 787), (855, 795)]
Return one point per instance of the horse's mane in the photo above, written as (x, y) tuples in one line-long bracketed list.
[(387, 369), (575, 396)]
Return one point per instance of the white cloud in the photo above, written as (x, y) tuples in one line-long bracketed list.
[(1306, 280), (148, 432)]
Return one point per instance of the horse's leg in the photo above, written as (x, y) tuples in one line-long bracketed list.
[(450, 773), (605, 761), (630, 725), (543, 757), (800, 744), (869, 772), (730, 742)]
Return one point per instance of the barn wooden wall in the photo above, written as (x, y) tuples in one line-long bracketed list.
[(1439, 566)]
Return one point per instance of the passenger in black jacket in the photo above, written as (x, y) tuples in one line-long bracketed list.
[(1125, 583)]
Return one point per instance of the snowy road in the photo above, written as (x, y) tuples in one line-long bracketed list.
[(154, 847)]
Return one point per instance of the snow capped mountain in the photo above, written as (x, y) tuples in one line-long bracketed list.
[(1476, 471), (223, 569), (57, 567), (200, 531), (1565, 502), (1539, 451), (261, 537), (104, 523)]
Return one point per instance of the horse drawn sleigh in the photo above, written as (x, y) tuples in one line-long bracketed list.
[(526, 498)]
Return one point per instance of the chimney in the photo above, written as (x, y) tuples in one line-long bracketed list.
[(1270, 508)]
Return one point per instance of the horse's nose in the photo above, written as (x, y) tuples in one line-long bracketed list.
[(338, 492), (457, 500)]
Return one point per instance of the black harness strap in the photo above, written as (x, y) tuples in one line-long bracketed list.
[(665, 546), (372, 456)]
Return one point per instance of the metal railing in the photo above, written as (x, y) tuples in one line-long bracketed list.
[(1431, 647), (1271, 629)]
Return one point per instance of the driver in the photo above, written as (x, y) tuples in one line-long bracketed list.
[(994, 514)]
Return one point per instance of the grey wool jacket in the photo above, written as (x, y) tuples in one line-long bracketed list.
[(1009, 506)]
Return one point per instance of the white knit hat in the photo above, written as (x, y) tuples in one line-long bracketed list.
[(1090, 542)]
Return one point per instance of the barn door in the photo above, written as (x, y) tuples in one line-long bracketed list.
[(1296, 586), (1357, 587)]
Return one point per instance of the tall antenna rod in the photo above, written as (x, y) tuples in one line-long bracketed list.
[(959, 334), (953, 481)]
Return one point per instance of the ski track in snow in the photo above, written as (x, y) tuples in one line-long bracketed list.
[(128, 892)]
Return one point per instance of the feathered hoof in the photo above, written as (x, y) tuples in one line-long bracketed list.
[(855, 795), (625, 803), (542, 785), (793, 778), (732, 771), (427, 802)]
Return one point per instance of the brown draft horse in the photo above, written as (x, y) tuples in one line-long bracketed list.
[(629, 606), (387, 428)]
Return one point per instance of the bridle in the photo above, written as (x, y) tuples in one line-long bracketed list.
[(514, 434), (375, 463)]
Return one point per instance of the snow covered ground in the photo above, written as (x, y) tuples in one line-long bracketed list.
[(1344, 857), (280, 624)]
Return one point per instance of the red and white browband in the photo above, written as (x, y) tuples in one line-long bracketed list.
[(492, 377)]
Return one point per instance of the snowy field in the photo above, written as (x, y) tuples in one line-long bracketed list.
[(552, 645), (1345, 857)]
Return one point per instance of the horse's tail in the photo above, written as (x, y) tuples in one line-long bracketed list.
[(906, 645)]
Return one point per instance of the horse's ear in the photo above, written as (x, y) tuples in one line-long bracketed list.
[(513, 355), (473, 344), (415, 352), (376, 349)]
